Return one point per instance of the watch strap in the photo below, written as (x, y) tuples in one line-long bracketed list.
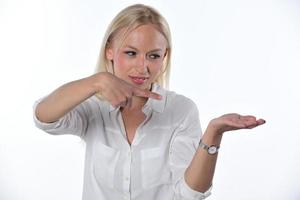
[(213, 149)]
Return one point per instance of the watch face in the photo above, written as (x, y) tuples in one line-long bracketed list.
[(212, 150)]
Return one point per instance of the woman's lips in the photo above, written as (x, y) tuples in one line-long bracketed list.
[(139, 80)]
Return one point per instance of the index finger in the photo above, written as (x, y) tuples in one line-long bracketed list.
[(146, 93)]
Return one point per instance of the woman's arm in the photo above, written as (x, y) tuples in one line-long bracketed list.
[(199, 174), (66, 97)]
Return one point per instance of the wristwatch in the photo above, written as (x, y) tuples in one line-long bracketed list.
[(210, 149)]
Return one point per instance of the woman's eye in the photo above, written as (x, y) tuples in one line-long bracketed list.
[(154, 56), (130, 53)]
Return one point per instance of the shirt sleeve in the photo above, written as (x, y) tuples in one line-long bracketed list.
[(183, 148), (74, 122)]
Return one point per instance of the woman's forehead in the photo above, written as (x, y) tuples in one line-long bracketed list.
[(142, 36)]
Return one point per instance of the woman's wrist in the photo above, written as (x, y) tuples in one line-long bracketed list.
[(97, 82), (212, 135)]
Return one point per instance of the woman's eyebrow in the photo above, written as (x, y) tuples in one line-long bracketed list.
[(132, 47), (155, 50)]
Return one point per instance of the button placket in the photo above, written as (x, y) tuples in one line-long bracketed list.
[(127, 171)]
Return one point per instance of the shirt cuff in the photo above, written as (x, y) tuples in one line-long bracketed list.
[(189, 193)]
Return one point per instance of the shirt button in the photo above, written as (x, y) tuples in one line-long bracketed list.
[(127, 178)]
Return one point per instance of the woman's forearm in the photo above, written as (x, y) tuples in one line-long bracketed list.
[(65, 98), (199, 174)]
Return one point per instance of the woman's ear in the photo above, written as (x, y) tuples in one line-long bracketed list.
[(166, 52), (109, 54)]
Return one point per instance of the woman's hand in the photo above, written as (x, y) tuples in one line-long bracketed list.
[(118, 92), (233, 121)]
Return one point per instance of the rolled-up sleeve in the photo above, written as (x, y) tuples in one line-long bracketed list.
[(74, 122), (184, 192), (182, 151)]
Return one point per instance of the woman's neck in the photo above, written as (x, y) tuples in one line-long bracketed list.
[(137, 103)]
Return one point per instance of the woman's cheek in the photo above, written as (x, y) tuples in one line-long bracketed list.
[(121, 64), (158, 67), (156, 70), (121, 61)]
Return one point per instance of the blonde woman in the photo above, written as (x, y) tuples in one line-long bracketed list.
[(143, 142)]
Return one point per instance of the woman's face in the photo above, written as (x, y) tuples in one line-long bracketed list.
[(139, 59)]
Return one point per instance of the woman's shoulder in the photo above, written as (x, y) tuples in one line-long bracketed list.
[(177, 101)]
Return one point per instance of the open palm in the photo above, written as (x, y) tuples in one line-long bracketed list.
[(234, 121)]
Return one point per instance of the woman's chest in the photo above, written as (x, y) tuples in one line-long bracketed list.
[(145, 161), (131, 123), (141, 165)]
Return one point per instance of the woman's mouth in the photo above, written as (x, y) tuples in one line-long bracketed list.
[(139, 80)]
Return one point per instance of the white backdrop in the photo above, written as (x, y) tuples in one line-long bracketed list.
[(229, 56)]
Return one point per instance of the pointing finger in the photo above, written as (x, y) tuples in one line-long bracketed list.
[(261, 121), (146, 93)]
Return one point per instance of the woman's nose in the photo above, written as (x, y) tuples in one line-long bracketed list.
[(142, 64)]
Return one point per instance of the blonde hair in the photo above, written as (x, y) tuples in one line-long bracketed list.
[(130, 18)]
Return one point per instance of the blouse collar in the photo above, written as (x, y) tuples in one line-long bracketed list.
[(151, 104)]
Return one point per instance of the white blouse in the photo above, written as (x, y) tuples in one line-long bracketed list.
[(153, 166)]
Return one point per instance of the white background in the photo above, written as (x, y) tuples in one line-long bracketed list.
[(229, 56)]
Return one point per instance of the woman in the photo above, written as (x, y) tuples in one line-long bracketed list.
[(142, 141)]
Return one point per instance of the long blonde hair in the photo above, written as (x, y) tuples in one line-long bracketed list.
[(130, 18)]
